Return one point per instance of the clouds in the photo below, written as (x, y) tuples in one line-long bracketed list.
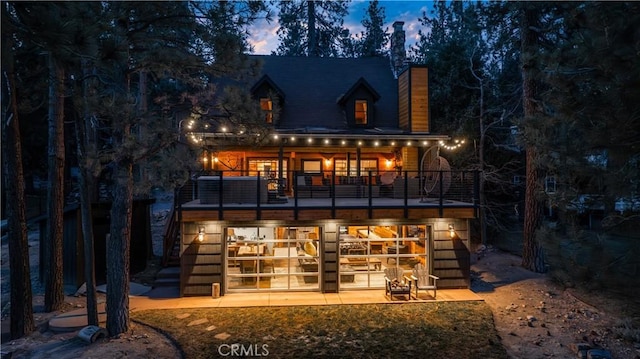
[(264, 38)]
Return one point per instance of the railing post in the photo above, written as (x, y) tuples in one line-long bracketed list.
[(441, 184), (295, 195), (333, 194), (220, 197), (258, 212)]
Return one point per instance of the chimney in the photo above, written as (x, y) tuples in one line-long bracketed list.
[(398, 53)]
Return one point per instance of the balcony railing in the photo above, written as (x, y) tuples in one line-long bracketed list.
[(224, 190)]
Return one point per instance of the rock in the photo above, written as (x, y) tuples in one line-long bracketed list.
[(222, 336), (211, 327), (531, 318), (197, 322), (598, 354), (182, 316)]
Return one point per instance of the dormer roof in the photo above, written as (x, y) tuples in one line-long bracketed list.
[(267, 81), (361, 83)]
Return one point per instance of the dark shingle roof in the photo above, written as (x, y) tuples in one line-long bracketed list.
[(313, 85)]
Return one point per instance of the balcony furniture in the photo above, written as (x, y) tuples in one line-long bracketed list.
[(238, 189), (313, 186), (413, 187), (422, 280), (396, 283)]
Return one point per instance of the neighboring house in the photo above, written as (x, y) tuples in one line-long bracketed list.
[(350, 182)]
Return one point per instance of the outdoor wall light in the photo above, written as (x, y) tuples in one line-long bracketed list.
[(452, 231), (389, 163), (200, 234)]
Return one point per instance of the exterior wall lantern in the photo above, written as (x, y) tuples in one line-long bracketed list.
[(452, 231), (200, 234)]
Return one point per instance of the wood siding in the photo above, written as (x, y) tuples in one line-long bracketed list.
[(419, 99)]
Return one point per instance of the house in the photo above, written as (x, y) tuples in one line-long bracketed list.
[(350, 181)]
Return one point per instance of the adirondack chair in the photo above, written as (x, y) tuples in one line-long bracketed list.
[(396, 282), (422, 280)]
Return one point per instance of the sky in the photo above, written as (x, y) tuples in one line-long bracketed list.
[(265, 39)]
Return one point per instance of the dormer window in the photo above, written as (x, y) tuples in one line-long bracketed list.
[(267, 106), (361, 116)]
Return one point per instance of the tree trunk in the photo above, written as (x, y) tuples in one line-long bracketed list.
[(312, 35), (21, 320), (86, 184), (532, 252), (54, 294), (118, 249)]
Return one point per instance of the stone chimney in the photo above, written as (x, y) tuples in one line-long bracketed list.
[(398, 53)]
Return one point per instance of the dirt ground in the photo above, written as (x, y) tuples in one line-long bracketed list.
[(536, 318)]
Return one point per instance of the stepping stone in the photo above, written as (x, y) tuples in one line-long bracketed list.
[(222, 336), (197, 322)]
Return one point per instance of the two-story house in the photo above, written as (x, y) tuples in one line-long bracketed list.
[(351, 181)]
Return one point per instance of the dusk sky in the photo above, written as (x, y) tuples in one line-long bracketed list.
[(264, 37)]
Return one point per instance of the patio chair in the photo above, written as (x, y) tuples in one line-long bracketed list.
[(422, 280), (396, 283)]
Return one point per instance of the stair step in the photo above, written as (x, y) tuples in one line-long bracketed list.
[(169, 272), (166, 282)]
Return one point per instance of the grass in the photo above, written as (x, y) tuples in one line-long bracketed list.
[(435, 330)]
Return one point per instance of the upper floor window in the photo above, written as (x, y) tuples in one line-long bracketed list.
[(267, 106), (361, 115)]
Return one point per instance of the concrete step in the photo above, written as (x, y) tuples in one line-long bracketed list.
[(168, 272), (166, 282)]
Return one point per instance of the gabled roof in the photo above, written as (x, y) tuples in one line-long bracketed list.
[(360, 83), (312, 85), (269, 82)]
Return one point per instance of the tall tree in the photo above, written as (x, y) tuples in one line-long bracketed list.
[(374, 38), (21, 317), (163, 51), (532, 252), (310, 28), (54, 294)]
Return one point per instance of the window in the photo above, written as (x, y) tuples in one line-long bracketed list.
[(365, 167), (361, 112), (267, 106), (312, 166)]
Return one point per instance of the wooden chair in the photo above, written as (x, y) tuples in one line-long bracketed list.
[(422, 280), (396, 282)]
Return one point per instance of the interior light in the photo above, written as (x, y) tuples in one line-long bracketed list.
[(223, 129), (359, 143), (408, 143), (327, 163), (393, 143), (389, 162), (215, 159), (343, 142), (376, 143), (425, 143), (275, 137), (293, 139), (326, 141), (310, 140)]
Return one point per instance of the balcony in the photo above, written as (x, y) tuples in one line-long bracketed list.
[(234, 195)]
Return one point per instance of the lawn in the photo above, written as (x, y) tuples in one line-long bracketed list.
[(431, 330)]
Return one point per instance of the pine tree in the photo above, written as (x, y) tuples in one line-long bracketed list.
[(21, 316), (374, 38), (310, 28)]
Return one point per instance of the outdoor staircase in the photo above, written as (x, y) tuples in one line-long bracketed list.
[(171, 241), (167, 277)]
